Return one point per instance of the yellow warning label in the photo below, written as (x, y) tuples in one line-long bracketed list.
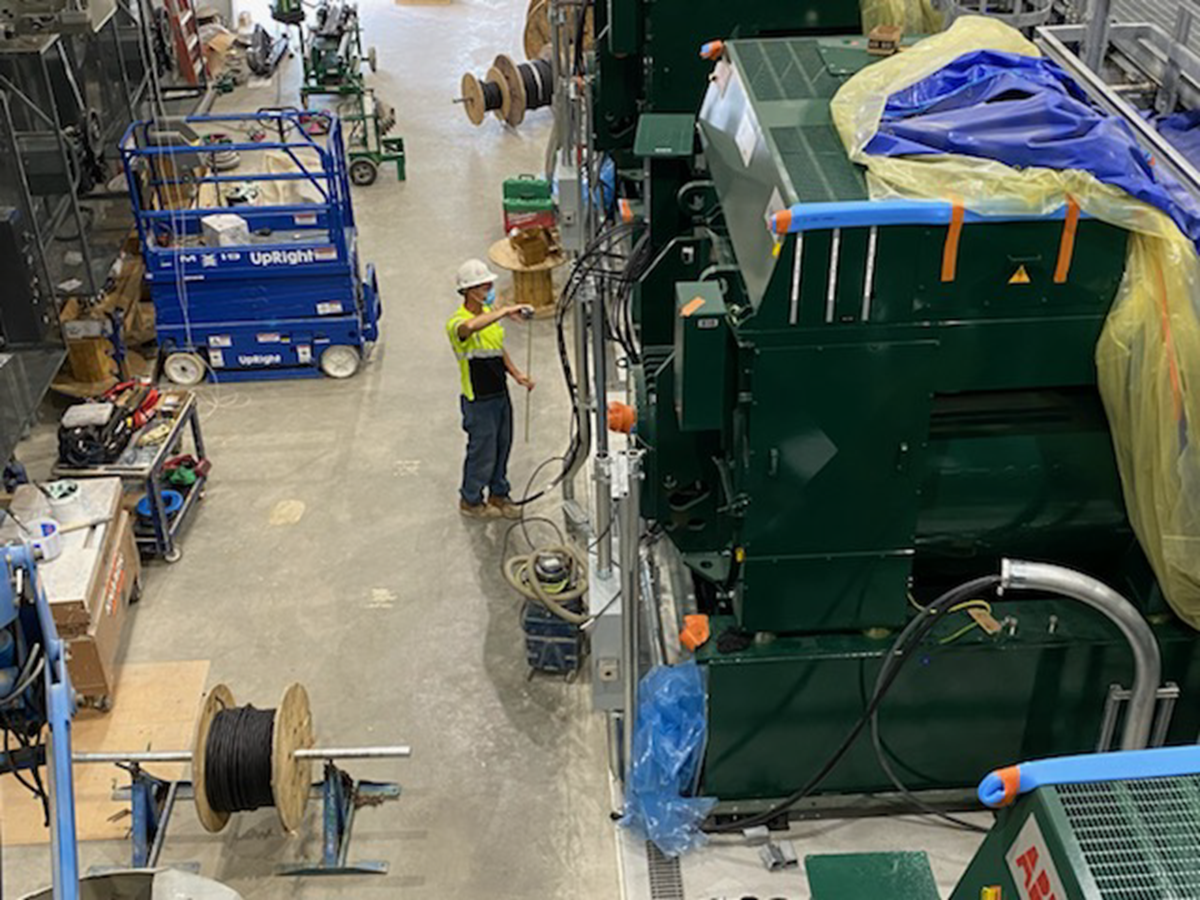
[(1020, 276)]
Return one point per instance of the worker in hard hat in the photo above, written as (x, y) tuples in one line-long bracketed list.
[(484, 365)]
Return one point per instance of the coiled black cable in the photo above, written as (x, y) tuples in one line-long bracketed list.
[(538, 79), (237, 763), (493, 97)]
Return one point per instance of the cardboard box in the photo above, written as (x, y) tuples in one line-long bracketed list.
[(72, 581), (92, 656), (224, 230)]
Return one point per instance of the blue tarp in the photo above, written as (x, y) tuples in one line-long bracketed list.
[(1025, 111), (1183, 131), (668, 748)]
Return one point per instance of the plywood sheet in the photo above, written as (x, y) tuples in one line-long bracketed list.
[(154, 708)]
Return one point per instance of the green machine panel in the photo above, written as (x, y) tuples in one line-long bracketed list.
[(702, 351), (832, 478)]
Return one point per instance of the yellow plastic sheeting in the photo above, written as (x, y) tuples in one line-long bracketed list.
[(914, 16), (1148, 356)]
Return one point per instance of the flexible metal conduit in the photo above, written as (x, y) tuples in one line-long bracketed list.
[(1016, 575)]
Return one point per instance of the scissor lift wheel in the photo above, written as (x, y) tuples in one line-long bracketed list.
[(185, 369), (340, 361)]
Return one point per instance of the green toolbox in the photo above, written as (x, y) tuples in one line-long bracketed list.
[(528, 203)]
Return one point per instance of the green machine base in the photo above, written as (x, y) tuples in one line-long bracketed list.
[(958, 711)]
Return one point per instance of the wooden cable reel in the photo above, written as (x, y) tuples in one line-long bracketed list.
[(509, 90), (290, 777), (537, 37)]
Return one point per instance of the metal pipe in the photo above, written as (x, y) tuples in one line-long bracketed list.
[(602, 515), (1030, 576), (583, 396), (631, 589), (1171, 78), (1095, 40), (400, 751)]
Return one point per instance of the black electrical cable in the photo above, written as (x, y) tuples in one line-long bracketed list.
[(916, 631), (237, 764), (493, 97), (899, 653), (584, 266)]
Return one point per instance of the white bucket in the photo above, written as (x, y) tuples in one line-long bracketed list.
[(43, 534)]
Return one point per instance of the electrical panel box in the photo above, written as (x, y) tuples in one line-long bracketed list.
[(23, 317), (701, 355)]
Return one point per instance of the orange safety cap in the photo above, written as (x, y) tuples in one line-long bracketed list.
[(621, 417), (695, 632), (1010, 777)]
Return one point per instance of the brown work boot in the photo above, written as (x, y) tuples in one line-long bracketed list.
[(478, 510), (505, 507)]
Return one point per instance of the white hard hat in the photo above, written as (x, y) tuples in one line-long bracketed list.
[(473, 273)]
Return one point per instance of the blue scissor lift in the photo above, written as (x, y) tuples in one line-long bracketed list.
[(284, 300)]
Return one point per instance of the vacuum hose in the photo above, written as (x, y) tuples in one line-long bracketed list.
[(521, 573)]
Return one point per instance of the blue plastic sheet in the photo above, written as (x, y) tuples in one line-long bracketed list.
[(1183, 131), (1025, 111), (668, 748)]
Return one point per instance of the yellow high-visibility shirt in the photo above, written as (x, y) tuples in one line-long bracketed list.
[(480, 357)]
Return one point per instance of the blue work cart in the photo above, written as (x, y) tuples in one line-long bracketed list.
[(248, 234)]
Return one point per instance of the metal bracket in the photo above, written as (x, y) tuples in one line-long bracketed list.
[(342, 797), (1166, 697)]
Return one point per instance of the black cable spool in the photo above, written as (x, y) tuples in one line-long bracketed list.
[(237, 766), (243, 758)]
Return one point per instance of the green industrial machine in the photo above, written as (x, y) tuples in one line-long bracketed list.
[(333, 68), (1124, 839), (843, 422), (647, 59)]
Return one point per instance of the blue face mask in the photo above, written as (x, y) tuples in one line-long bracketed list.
[(490, 299)]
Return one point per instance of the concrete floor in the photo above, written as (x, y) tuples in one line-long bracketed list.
[(381, 598), (378, 596)]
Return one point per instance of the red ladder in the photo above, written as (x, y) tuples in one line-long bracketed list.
[(185, 31)]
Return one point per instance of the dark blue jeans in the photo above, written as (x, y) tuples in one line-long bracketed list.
[(488, 424)]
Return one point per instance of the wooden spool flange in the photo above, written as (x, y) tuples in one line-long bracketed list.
[(537, 38), (217, 699), (472, 97), (290, 777), (513, 88)]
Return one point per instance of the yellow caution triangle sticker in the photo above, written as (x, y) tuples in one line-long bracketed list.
[(1020, 276)]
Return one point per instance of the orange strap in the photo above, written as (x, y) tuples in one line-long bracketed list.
[(626, 209), (1066, 247), (1168, 341), (1010, 777), (950, 251)]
